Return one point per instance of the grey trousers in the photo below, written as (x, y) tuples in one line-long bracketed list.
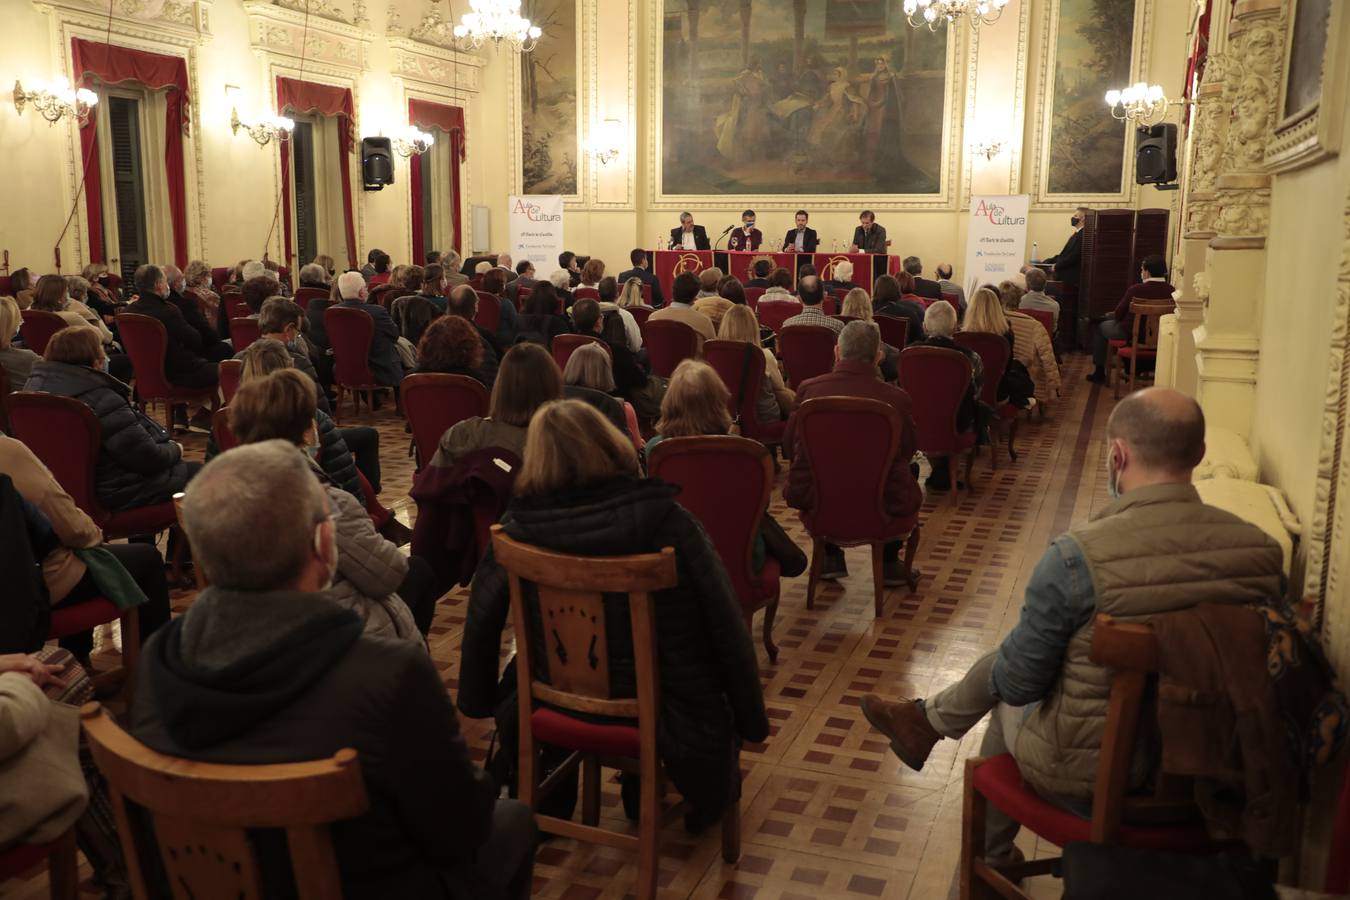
[(1108, 330), (504, 869), (959, 707)]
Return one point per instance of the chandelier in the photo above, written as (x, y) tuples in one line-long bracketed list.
[(497, 21), (937, 12), (57, 100), (413, 141), (1142, 104)]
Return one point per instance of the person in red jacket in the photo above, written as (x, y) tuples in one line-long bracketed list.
[(857, 355), (1153, 285)]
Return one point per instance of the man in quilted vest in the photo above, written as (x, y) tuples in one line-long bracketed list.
[(1154, 548)]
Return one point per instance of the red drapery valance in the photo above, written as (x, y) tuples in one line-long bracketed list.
[(115, 65), (298, 96), (425, 114)]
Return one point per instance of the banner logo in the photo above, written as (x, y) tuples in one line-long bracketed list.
[(827, 273), (688, 262)]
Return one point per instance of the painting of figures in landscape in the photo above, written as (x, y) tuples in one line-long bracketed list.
[(1092, 56), (800, 97), (548, 100)]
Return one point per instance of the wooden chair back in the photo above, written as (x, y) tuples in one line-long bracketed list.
[(202, 812), (1147, 321)]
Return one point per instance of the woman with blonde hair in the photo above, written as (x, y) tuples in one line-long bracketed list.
[(1032, 346), (17, 362), (776, 400), (695, 404), (857, 304), (631, 295), (589, 370), (985, 314), (579, 492)]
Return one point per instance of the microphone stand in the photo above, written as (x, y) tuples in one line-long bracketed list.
[(722, 235)]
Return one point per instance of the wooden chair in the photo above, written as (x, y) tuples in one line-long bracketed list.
[(1143, 344), (1130, 651), (434, 402), (351, 331), (773, 313), (668, 344), (938, 380), (741, 366), (994, 353), (228, 374), (235, 307), (568, 593), (147, 342), (202, 812), (807, 351), (488, 315), (63, 882)]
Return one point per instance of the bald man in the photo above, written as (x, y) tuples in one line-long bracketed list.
[(1155, 548)]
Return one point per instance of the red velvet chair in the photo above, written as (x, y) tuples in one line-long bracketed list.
[(806, 351), (384, 295), (1143, 344), (1045, 317), (849, 509), (668, 344), (220, 430), (994, 353), (953, 299), (773, 314), (63, 880), (937, 380), (243, 332), (564, 345), (305, 294), (1165, 820), (583, 292), (640, 314), (646, 293), (725, 482), (844, 319), (38, 327), (229, 373), (434, 402), (830, 304), (489, 314), (235, 307), (350, 333), (894, 330), (740, 365), (219, 275), (752, 295), (146, 342), (4, 393)]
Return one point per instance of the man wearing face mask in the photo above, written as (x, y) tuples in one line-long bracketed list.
[(1155, 548), (268, 667), (189, 359), (747, 237), (1069, 261)]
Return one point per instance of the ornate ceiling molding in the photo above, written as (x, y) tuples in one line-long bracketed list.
[(182, 23), (431, 64), (340, 45)]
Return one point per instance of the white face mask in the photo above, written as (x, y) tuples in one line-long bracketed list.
[(330, 559), (1112, 476)]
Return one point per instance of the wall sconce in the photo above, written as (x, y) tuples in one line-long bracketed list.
[(987, 149), (605, 142), (56, 100), (267, 129), (1142, 104), (413, 141)]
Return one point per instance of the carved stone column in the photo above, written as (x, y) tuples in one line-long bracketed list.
[(1229, 340)]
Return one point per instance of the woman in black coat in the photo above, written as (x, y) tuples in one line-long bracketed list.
[(542, 319), (138, 464), (578, 493)]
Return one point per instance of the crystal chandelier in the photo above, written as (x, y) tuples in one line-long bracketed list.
[(497, 21), (1142, 104), (413, 141), (57, 100), (937, 12)]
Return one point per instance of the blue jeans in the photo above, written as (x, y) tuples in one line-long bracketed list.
[(1108, 330)]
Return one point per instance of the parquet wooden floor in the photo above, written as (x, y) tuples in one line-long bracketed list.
[(827, 810)]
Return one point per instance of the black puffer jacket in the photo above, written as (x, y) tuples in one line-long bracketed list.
[(138, 464), (710, 688)]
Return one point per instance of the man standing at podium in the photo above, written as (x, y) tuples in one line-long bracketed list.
[(747, 237), (868, 237), (800, 239), (1068, 263), (689, 236)]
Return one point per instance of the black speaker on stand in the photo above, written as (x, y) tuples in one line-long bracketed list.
[(377, 163), (1155, 154)]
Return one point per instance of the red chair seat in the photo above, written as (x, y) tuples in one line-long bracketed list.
[(1117, 343), (1008, 411), (82, 617), (1128, 353), (144, 520), (561, 730), (765, 582), (19, 859), (765, 432), (999, 780)]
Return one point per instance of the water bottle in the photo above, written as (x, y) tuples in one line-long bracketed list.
[(1035, 254)]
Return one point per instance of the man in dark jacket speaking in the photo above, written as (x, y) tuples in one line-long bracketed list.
[(265, 668)]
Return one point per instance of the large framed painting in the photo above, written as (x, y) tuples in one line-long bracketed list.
[(549, 139), (824, 98), (1089, 49), (1312, 96)]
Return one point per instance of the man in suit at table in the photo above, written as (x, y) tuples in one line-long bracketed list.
[(868, 237), (800, 239), (747, 237), (1068, 263), (642, 271), (689, 236)]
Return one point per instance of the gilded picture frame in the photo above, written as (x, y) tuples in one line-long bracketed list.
[(1312, 85)]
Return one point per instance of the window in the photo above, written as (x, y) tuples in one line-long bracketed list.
[(316, 189), (436, 189), (137, 224), (128, 183), (306, 204)]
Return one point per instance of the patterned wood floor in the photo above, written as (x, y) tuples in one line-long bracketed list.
[(827, 810)]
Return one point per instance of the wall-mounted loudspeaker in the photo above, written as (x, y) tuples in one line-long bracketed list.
[(1155, 154), (377, 163)]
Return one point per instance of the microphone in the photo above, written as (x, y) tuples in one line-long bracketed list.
[(728, 229)]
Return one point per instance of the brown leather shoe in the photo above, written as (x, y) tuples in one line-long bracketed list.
[(912, 737)]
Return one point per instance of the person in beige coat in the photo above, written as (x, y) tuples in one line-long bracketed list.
[(1031, 344), (42, 789)]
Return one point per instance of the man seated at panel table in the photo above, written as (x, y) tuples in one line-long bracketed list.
[(747, 237), (800, 239), (689, 236), (1155, 548), (868, 237)]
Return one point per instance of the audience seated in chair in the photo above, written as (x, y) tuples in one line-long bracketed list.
[(543, 319), (451, 345), (282, 320), (857, 356), (888, 299), (68, 542), (776, 399), (986, 316), (947, 286), (589, 376), (681, 308), (189, 359), (580, 493), (939, 324), (385, 362), (633, 378), (1036, 297), (811, 291), (17, 362), (391, 593), (21, 283), (1031, 343), (922, 287), (711, 302), (1155, 548), (528, 378), (463, 302), (138, 463), (494, 283), (267, 666), (1152, 285), (52, 294), (609, 306)]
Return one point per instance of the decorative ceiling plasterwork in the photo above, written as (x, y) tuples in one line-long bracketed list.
[(183, 23), (427, 53), (338, 45)]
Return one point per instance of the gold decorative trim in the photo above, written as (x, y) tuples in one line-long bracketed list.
[(1313, 134), (629, 158)]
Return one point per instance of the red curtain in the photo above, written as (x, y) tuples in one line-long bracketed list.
[(418, 232), (425, 114), (298, 96), (114, 65)]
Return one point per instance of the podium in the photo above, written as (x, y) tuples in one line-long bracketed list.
[(738, 262), (666, 264), (863, 272)]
